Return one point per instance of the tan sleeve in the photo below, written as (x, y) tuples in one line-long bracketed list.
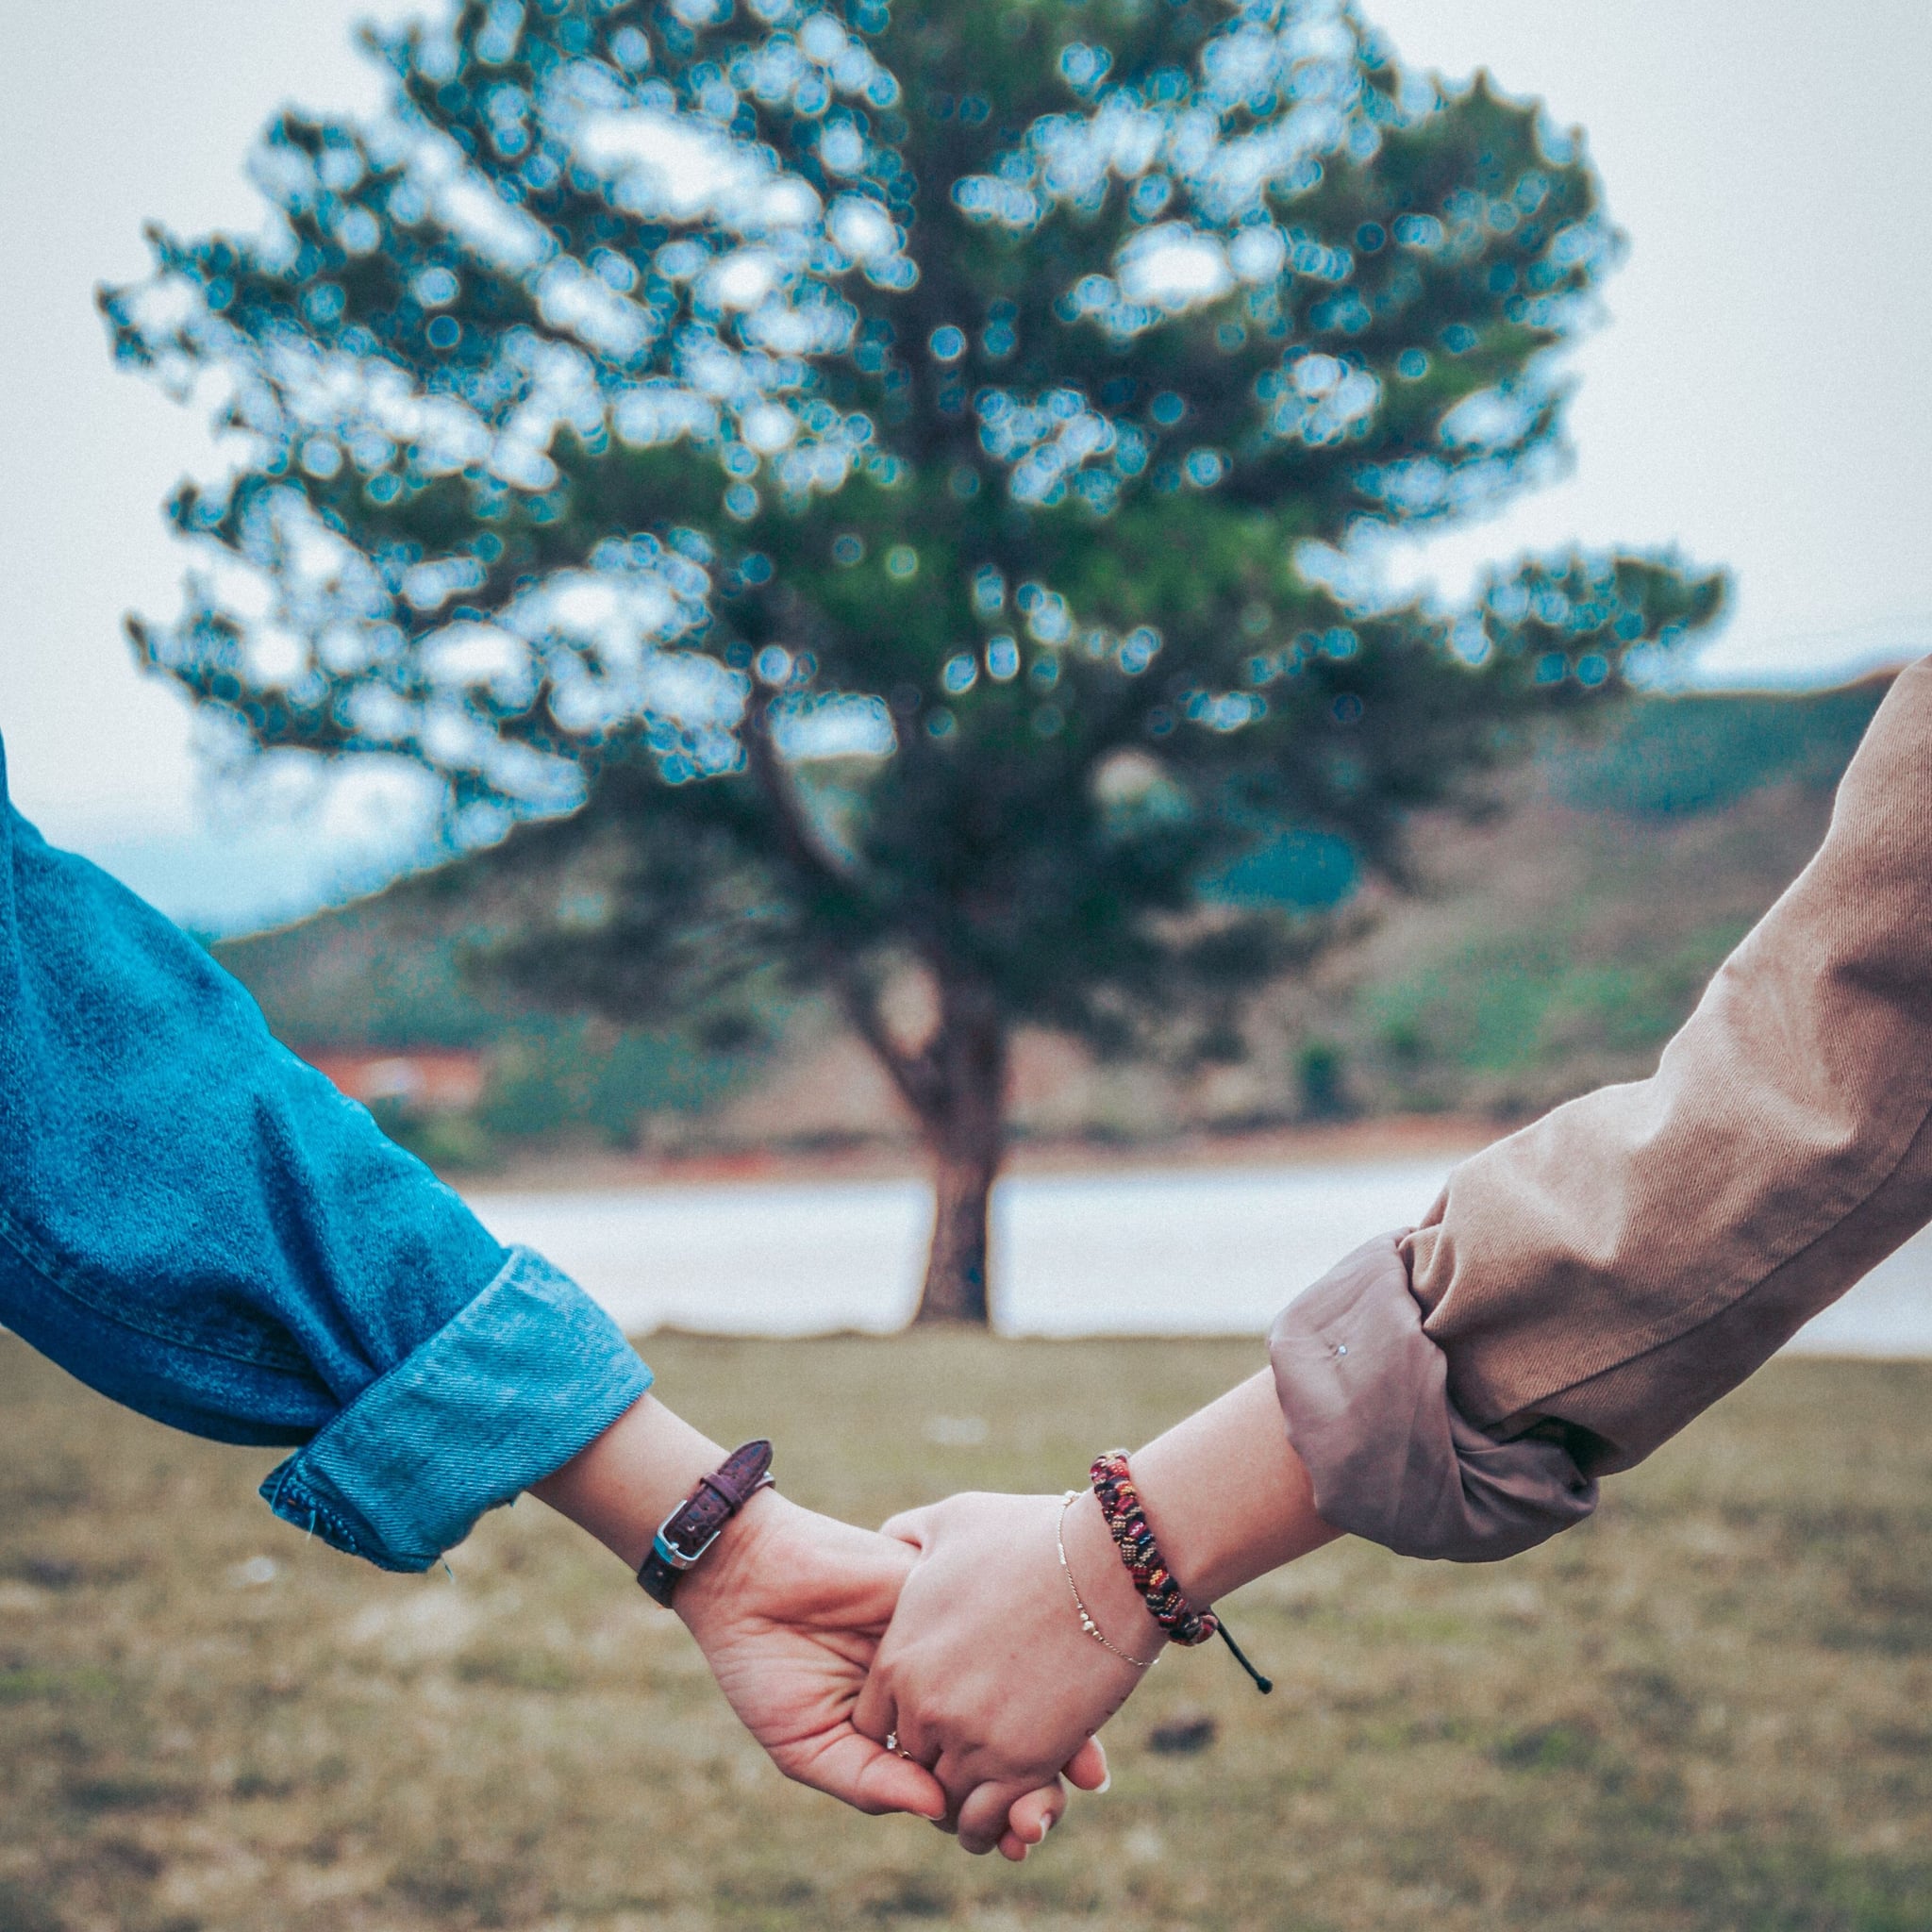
[(1583, 1289), (1626, 1260), (1365, 1396)]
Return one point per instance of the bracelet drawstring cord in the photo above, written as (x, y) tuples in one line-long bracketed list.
[(1264, 1685)]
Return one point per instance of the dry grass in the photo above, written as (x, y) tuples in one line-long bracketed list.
[(1711, 1708)]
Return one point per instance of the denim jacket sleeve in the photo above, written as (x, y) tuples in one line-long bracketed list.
[(199, 1225)]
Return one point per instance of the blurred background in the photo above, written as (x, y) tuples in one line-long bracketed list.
[(1480, 668)]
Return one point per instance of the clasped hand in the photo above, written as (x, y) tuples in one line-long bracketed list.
[(938, 1667), (958, 1663)]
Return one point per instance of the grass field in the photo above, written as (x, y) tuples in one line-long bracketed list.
[(1710, 1707)]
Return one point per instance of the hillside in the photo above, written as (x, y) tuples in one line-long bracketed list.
[(1552, 948)]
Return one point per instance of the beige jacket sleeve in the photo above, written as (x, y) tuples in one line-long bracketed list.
[(1590, 1284)]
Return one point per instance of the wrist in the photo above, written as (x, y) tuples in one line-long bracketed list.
[(1109, 1593), (626, 1482), (751, 1540)]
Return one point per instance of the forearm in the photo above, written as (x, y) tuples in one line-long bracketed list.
[(1226, 1496)]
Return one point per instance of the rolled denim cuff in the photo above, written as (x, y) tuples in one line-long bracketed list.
[(1365, 1396), (528, 1374)]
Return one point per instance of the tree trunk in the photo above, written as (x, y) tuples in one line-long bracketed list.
[(954, 1287), (965, 1121), (955, 1084)]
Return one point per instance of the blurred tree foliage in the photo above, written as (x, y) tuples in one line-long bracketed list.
[(868, 485), (389, 974)]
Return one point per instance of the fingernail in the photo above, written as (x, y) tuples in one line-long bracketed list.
[(1046, 1824), (1105, 1786)]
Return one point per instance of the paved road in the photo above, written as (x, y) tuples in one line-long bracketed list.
[(1160, 1252)]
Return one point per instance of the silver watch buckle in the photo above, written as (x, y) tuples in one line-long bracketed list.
[(680, 1559)]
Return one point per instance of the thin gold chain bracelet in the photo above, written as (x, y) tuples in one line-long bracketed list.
[(1086, 1623)]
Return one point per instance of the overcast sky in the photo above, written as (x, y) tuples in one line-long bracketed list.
[(1760, 395)]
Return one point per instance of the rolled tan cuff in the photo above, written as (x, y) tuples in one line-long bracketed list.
[(1365, 1396)]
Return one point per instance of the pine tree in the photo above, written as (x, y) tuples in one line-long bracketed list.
[(865, 485)]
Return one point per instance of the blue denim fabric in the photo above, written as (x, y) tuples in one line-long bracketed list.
[(199, 1225)]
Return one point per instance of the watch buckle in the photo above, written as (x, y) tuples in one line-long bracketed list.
[(680, 1559)]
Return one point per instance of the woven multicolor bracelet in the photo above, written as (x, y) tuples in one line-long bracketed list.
[(1120, 1504), (1166, 1603)]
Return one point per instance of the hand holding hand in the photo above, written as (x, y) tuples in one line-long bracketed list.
[(786, 1605), (789, 1614), (788, 1608), (985, 1673)]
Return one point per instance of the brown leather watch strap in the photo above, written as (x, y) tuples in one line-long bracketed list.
[(693, 1527)]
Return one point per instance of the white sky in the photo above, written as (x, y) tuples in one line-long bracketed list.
[(1760, 395)]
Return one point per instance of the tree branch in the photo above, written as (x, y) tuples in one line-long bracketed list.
[(916, 1075)]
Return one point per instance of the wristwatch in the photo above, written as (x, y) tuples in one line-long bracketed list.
[(693, 1527)]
